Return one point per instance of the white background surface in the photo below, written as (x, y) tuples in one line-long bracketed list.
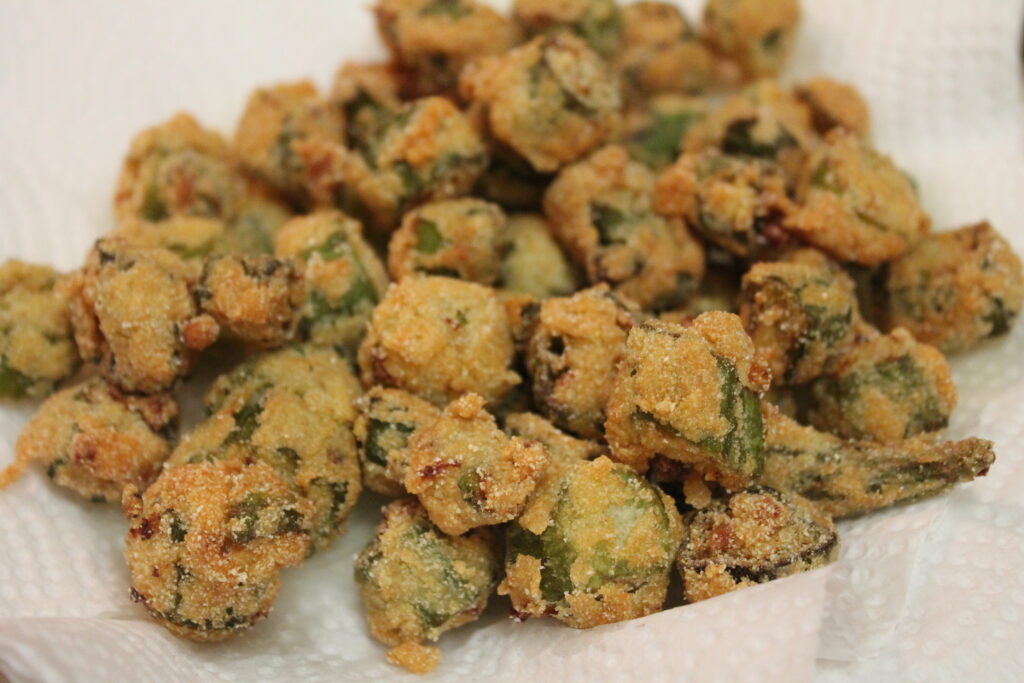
[(931, 592)]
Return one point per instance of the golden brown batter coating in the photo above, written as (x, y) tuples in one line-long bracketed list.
[(857, 205), (597, 22), (835, 104), (572, 349), (208, 542), (956, 288), (600, 210), (36, 346), (468, 473), (751, 537), (757, 34), (134, 314), (654, 129), (604, 555), (95, 440), (691, 394), (438, 338), (661, 52), (551, 100), (459, 238), (417, 583), (386, 420), (342, 276), (533, 263), (367, 94)]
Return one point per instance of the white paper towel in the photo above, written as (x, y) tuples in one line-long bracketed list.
[(930, 592)]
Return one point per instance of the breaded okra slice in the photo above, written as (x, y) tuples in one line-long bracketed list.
[(886, 388), (856, 204), (956, 288), (834, 104), (254, 299), (36, 346), (434, 39), (438, 338), (551, 100), (342, 276), (532, 262), (208, 542), (134, 313), (417, 582), (367, 93), (739, 203), (751, 537), (460, 238), (654, 130), (605, 552), (294, 409), (95, 440), (661, 52), (278, 123), (467, 473), (600, 209), (691, 394), (756, 34), (849, 478), (572, 348), (597, 22), (385, 421), (177, 169), (799, 314)]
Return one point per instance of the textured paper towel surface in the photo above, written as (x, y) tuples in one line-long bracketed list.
[(931, 592)]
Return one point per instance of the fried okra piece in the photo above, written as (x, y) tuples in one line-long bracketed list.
[(208, 542), (799, 314), (834, 104), (572, 349), (460, 238), (253, 298), (661, 52), (956, 288), (600, 210), (342, 276), (95, 440), (856, 204), (467, 473), (367, 93), (177, 169), (438, 338), (751, 537), (294, 409), (605, 552), (386, 420), (691, 394), (434, 39), (417, 582), (849, 478), (597, 22), (134, 313), (36, 346), (532, 261), (551, 100), (756, 34), (277, 123), (887, 388), (654, 131), (738, 203)]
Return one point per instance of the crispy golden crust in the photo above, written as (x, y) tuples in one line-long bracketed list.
[(597, 22), (438, 338), (455, 237), (207, 543), (95, 440), (661, 53), (386, 420), (551, 100), (835, 104), (36, 346), (572, 349), (956, 288), (533, 263), (856, 204), (600, 211), (887, 388), (757, 34), (467, 473), (691, 394)]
